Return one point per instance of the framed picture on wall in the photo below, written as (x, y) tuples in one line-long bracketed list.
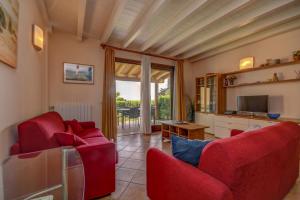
[(78, 73), (8, 31)]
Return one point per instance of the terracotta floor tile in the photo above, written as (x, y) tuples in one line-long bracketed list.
[(125, 154), (139, 177), (130, 148), (121, 161), (125, 174), (138, 156), (133, 164), (121, 186), (135, 192)]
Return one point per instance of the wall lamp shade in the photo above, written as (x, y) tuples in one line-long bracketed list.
[(37, 37), (247, 63)]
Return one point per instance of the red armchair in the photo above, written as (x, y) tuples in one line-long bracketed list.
[(98, 154), (262, 164)]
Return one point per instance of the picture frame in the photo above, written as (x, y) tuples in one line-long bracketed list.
[(9, 15), (78, 73)]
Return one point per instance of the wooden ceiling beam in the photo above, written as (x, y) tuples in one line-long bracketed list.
[(162, 74), (142, 20), (233, 7), (251, 29), (161, 79), (115, 14), (236, 23), (81, 18), (133, 69), (293, 25), (120, 68), (178, 19)]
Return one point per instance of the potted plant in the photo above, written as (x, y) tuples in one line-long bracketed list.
[(190, 108), (296, 55)]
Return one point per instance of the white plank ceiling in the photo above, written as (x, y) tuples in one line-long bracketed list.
[(187, 29)]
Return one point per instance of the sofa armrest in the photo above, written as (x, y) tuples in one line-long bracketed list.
[(87, 125), (171, 179), (235, 132), (99, 168)]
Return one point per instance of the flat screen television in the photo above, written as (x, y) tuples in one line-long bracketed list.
[(253, 103)]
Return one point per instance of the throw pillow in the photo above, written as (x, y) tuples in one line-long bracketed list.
[(75, 125), (67, 139), (188, 150)]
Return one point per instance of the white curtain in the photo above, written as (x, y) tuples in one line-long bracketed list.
[(146, 95)]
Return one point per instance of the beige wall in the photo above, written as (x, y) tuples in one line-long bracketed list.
[(283, 97), (21, 89), (67, 48), (64, 47)]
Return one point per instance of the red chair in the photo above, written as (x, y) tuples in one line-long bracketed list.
[(262, 164), (98, 154)]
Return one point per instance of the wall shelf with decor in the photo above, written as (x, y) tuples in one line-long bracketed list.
[(262, 67), (228, 75), (262, 83)]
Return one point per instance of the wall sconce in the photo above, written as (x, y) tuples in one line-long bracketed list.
[(37, 37), (247, 63)]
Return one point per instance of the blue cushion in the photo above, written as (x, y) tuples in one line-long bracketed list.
[(188, 150)]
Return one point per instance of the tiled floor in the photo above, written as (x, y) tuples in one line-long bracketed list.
[(131, 169)]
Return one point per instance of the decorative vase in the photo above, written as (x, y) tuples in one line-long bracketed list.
[(297, 72), (275, 77), (225, 82)]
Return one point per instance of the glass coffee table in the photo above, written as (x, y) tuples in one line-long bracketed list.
[(52, 174)]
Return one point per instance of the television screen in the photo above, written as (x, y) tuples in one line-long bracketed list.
[(253, 103)]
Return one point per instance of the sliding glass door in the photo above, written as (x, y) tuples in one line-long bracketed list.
[(128, 90), (162, 93)]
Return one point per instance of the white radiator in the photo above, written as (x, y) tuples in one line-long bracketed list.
[(79, 111)]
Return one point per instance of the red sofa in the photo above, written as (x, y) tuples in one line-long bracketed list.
[(261, 164), (98, 155)]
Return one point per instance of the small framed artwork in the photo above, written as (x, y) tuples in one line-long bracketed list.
[(78, 73), (9, 14)]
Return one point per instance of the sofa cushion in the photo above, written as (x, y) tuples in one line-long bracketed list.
[(188, 150), (37, 133), (263, 163), (67, 139), (89, 133), (75, 125)]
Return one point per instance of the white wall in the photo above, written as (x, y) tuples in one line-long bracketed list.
[(283, 97), (21, 89)]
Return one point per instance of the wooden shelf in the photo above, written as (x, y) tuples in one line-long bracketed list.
[(262, 68), (262, 83)]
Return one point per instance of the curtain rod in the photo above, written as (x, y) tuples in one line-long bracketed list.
[(140, 52)]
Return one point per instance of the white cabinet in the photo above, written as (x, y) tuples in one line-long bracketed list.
[(224, 125), (207, 120), (254, 123), (222, 132), (221, 125)]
